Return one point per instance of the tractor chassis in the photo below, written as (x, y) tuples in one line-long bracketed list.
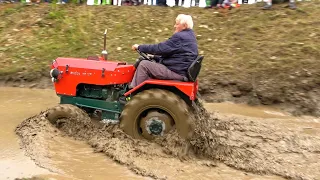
[(109, 110)]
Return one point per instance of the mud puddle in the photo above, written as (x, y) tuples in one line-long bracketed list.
[(270, 115), (225, 146), (16, 105), (77, 160), (159, 160), (67, 158), (246, 110), (286, 146)]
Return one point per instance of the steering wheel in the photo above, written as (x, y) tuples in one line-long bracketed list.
[(143, 55)]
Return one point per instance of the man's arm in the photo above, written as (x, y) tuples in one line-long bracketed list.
[(165, 48)]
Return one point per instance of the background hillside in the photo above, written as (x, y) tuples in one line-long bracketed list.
[(251, 56)]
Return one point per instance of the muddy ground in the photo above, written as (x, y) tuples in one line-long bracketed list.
[(273, 147)]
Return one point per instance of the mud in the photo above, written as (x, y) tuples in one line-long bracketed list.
[(300, 100), (75, 161), (147, 159), (274, 146), (286, 148)]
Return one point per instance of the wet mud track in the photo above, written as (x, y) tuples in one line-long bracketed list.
[(286, 148)]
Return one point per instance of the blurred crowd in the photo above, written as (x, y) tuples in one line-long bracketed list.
[(227, 4), (171, 3)]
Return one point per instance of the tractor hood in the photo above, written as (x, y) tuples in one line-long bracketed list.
[(74, 71), (86, 64)]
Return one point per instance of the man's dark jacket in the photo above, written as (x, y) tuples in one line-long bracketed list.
[(177, 53)]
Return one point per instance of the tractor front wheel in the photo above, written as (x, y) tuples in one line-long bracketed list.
[(63, 111), (155, 112)]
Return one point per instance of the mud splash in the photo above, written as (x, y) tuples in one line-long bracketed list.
[(272, 147), (246, 144), (142, 157)]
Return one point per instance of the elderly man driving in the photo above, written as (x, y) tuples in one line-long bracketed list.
[(172, 57)]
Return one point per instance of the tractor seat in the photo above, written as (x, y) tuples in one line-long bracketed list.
[(194, 69)]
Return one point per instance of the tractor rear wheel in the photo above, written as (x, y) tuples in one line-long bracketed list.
[(153, 113)]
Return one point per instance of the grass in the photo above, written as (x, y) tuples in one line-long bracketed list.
[(280, 47), (245, 40)]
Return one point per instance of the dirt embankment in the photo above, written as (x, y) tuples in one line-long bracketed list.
[(303, 99), (299, 97), (248, 145)]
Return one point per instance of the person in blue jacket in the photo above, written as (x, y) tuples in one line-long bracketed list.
[(172, 57)]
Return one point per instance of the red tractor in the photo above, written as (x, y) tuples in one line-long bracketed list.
[(151, 109)]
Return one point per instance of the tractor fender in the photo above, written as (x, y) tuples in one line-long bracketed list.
[(186, 90)]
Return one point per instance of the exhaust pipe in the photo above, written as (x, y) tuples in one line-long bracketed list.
[(104, 53)]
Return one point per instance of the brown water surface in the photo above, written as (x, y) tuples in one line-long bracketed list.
[(246, 110), (305, 124), (17, 104), (72, 159)]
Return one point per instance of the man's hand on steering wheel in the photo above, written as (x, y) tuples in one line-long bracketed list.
[(148, 57), (135, 47)]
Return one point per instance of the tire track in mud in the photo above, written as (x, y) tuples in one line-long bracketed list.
[(248, 145)]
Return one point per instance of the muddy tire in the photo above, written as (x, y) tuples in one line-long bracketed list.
[(148, 101), (63, 111)]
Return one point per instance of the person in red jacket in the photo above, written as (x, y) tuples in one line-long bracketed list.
[(172, 57)]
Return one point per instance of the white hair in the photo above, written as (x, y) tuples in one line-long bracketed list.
[(185, 19)]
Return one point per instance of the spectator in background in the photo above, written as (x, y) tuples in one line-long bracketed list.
[(6, 1), (35, 1), (131, 2), (62, 2), (177, 2), (161, 2), (292, 5), (222, 3), (214, 3), (227, 4)]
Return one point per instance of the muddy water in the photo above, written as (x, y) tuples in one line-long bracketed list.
[(246, 110), (304, 124), (76, 160), (67, 158), (17, 104)]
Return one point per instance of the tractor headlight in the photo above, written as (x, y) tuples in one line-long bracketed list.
[(54, 73)]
